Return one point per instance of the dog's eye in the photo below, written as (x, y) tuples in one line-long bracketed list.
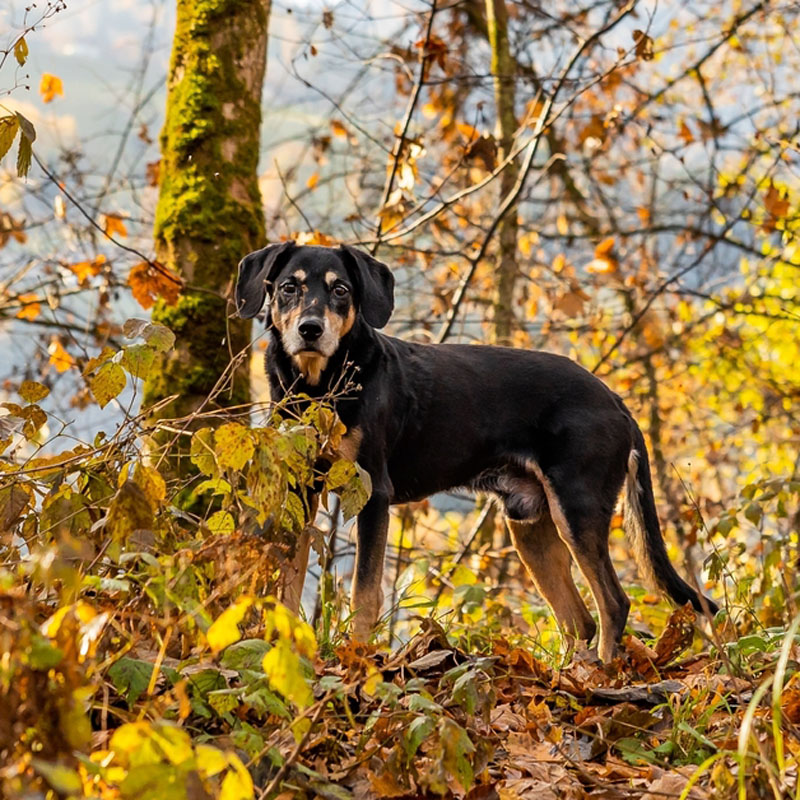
[(340, 290), (289, 289)]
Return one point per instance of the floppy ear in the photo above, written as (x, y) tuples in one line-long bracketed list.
[(375, 284), (256, 270)]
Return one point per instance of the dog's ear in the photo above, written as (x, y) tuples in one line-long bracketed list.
[(374, 282), (256, 270)]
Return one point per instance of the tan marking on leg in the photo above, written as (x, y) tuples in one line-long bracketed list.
[(367, 595), (366, 604), (548, 562), (596, 568), (350, 444), (311, 365)]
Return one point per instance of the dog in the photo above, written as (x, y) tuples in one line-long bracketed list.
[(547, 437)]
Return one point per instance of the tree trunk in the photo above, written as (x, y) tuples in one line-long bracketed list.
[(209, 210), (503, 68)]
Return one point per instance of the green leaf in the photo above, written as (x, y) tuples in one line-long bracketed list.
[(753, 513), (417, 732), (160, 337), (224, 700), (62, 779), (9, 126), (42, 655), (130, 677), (33, 392), (247, 654), (107, 383), (137, 359), (355, 494), (21, 51), (457, 746), (157, 336)]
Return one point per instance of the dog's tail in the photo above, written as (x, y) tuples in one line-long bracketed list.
[(644, 532)]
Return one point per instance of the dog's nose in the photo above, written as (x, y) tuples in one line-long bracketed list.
[(310, 329)]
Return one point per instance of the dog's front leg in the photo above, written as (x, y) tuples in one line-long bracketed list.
[(367, 595)]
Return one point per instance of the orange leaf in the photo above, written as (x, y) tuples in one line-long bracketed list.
[(313, 180), (50, 86), (777, 206), (59, 357), (31, 306), (685, 132), (571, 302), (85, 269), (113, 224), (604, 248), (338, 129), (604, 261), (148, 284)]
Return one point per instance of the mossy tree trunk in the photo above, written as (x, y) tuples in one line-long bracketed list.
[(209, 210), (503, 69)]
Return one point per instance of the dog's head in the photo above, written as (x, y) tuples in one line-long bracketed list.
[(314, 295)]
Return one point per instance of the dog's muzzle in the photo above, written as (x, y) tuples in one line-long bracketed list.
[(311, 330)]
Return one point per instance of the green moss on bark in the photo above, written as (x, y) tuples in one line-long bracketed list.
[(209, 210)]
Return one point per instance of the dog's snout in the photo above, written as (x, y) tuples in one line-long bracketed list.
[(310, 329)]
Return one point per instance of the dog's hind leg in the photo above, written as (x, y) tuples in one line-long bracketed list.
[(584, 522), (549, 563), (371, 535)]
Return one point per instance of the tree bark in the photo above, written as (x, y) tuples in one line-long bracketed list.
[(503, 68), (209, 209)]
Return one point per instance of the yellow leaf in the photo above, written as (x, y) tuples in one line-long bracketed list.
[(313, 180), (374, 677), (237, 783), (562, 225), (225, 629), (33, 392), (107, 383), (233, 445), (285, 672), (59, 357), (210, 760), (21, 51), (50, 86), (221, 522)]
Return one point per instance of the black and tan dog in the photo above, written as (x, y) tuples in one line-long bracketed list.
[(546, 436)]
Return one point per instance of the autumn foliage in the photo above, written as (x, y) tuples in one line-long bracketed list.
[(624, 191)]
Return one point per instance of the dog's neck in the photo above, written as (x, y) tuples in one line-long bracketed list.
[(314, 374)]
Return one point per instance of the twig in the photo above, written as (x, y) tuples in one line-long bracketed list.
[(279, 776)]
